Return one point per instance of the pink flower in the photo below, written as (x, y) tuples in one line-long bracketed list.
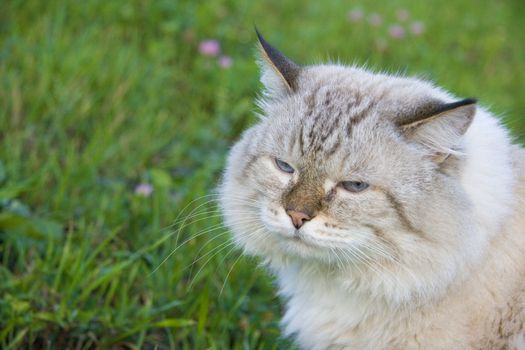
[(225, 62), (417, 28), (396, 31), (144, 190), (375, 19), (355, 15), (402, 15), (210, 47)]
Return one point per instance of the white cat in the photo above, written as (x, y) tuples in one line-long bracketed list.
[(392, 213)]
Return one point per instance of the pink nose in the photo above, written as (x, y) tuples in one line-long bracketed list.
[(298, 217)]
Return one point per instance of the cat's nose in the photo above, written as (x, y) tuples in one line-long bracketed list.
[(298, 217)]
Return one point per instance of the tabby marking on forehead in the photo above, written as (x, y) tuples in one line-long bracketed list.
[(328, 108)]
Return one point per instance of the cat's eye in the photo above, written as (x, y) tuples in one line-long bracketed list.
[(354, 186), (287, 168)]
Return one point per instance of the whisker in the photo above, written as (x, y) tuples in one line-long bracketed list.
[(351, 259), (198, 220), (213, 214), (211, 257), (215, 248), (339, 262), (229, 244), (365, 259), (190, 203), (244, 220), (229, 272), (215, 227), (377, 247), (385, 272), (219, 235)]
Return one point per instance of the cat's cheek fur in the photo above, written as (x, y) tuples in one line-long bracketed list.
[(488, 176), (241, 199), (275, 219)]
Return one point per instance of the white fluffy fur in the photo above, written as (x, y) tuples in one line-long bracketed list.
[(459, 286)]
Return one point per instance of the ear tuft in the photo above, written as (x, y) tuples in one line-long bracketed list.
[(440, 126), (279, 73)]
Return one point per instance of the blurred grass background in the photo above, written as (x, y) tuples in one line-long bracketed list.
[(113, 119)]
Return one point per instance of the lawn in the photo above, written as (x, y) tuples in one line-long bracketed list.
[(115, 120)]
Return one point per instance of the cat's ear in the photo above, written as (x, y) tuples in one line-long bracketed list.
[(278, 73), (440, 126)]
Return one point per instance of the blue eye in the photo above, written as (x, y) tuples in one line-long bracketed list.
[(287, 168), (354, 186)]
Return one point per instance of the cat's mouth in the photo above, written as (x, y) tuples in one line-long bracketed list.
[(300, 239)]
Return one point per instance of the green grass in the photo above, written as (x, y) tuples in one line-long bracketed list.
[(99, 96)]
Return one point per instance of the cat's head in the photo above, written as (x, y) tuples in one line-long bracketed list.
[(352, 171)]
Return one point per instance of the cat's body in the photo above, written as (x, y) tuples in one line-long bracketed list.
[(399, 222)]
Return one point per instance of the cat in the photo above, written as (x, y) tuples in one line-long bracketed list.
[(391, 213)]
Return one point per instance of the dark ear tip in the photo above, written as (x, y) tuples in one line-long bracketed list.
[(266, 46), (286, 68), (259, 36), (462, 103), (467, 101)]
